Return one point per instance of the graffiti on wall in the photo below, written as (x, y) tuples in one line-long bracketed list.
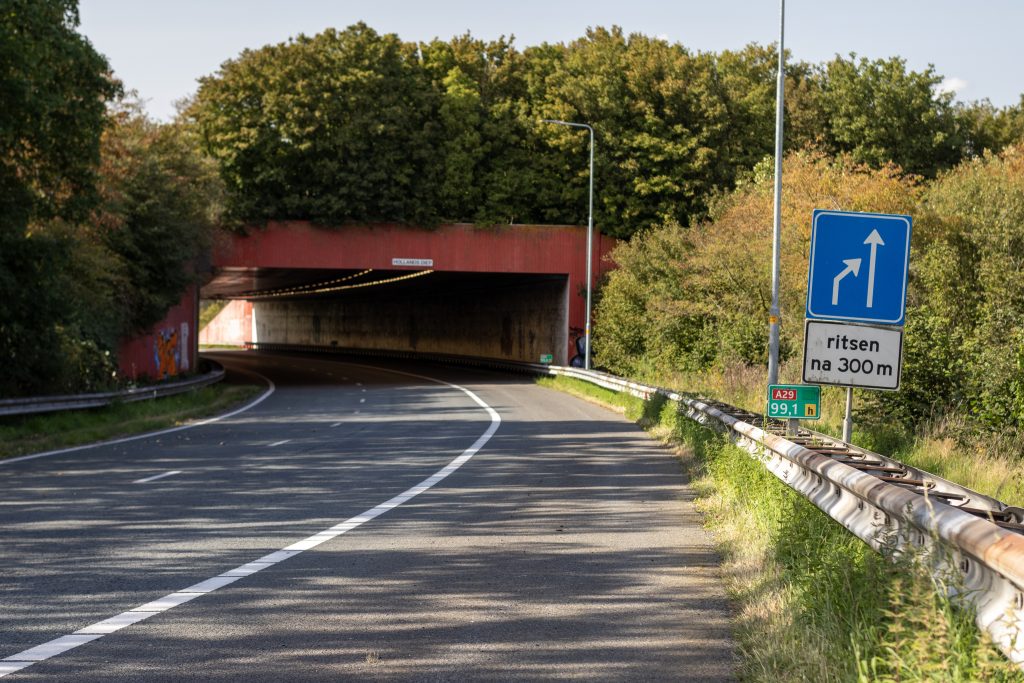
[(170, 351), (166, 352)]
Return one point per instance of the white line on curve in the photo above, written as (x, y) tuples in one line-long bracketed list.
[(278, 443), (60, 645), (113, 442), (156, 476)]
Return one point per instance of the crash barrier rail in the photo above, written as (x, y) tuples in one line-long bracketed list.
[(51, 404), (962, 535)]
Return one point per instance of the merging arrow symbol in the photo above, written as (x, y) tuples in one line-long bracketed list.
[(852, 266), (875, 240)]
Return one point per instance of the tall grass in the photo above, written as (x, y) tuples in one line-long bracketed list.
[(814, 602)]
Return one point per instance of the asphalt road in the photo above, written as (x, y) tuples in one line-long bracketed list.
[(497, 531)]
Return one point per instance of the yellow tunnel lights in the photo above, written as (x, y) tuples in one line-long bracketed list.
[(335, 285)]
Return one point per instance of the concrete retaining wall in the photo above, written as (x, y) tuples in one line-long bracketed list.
[(515, 323), (232, 326)]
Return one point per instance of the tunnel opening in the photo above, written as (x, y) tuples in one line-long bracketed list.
[(512, 316)]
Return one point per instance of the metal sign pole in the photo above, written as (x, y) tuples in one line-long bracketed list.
[(848, 420), (773, 314)]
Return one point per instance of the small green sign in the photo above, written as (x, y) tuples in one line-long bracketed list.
[(800, 401), (547, 358)]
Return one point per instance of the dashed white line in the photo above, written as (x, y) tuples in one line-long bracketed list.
[(336, 424), (278, 443), (156, 476), (362, 400), (57, 646)]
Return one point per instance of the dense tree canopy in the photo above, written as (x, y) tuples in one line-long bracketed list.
[(104, 215), (54, 87), (689, 299), (354, 126)]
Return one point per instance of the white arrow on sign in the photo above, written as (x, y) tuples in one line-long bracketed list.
[(852, 266), (875, 240)]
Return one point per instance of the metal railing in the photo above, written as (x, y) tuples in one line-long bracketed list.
[(51, 404), (889, 505)]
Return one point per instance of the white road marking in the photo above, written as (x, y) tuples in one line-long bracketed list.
[(362, 400), (336, 424), (115, 623), (252, 404), (278, 443), (156, 476)]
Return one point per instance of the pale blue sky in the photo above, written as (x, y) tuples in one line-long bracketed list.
[(161, 47)]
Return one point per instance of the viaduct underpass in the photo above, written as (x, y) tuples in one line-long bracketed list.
[(511, 292)]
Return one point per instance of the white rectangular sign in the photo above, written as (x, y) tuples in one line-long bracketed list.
[(853, 355), (417, 262)]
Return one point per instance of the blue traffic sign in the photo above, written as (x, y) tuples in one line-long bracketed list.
[(858, 269)]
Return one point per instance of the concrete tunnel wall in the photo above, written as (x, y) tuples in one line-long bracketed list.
[(515, 323)]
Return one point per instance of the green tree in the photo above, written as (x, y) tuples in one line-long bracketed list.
[(661, 122), (989, 128), (970, 282), (336, 127), (162, 201), (54, 87), (880, 113)]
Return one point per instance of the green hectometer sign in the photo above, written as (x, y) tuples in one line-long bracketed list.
[(800, 401), (547, 358)]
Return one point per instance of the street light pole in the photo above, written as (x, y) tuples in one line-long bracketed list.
[(590, 235), (773, 314)]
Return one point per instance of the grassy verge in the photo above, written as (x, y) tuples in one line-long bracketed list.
[(35, 433), (814, 602)]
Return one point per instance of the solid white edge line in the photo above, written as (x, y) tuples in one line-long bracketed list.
[(156, 476), (113, 442), (92, 632)]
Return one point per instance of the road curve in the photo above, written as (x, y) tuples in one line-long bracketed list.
[(425, 542)]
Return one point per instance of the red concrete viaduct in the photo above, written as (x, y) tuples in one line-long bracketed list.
[(513, 291)]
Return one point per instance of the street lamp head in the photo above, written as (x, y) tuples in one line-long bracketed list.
[(569, 123)]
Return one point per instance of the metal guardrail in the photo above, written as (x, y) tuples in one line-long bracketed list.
[(898, 508), (52, 404)]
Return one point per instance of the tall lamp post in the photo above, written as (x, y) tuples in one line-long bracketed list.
[(773, 315), (590, 234)]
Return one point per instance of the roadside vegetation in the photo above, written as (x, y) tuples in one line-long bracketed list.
[(106, 216), (686, 308), (383, 129), (814, 603), (36, 433)]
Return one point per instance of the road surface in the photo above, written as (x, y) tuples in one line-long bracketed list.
[(363, 523)]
